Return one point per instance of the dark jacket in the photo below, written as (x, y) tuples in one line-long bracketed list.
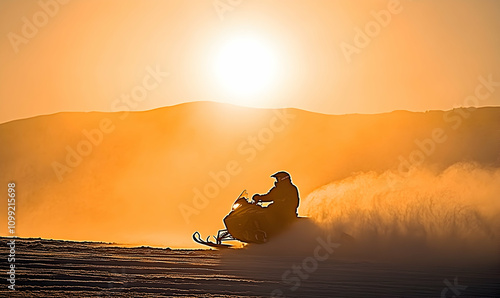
[(285, 196)]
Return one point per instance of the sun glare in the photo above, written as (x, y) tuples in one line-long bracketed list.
[(245, 67)]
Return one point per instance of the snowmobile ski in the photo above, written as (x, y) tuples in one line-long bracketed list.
[(197, 238)]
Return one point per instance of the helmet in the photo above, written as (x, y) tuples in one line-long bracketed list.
[(280, 176)]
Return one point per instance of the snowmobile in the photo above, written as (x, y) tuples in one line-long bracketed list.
[(248, 222)]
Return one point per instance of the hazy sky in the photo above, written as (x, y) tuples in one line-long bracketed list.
[(94, 54)]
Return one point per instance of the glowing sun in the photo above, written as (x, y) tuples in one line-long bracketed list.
[(245, 67)]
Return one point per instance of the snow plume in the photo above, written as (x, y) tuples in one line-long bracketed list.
[(453, 215)]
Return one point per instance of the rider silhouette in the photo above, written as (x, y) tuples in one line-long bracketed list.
[(283, 195)]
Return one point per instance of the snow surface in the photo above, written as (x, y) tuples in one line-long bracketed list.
[(53, 268)]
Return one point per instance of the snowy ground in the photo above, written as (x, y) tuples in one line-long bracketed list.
[(49, 268)]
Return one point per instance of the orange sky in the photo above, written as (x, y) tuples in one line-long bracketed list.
[(329, 56), (85, 54)]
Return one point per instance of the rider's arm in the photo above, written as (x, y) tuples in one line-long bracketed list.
[(268, 197)]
